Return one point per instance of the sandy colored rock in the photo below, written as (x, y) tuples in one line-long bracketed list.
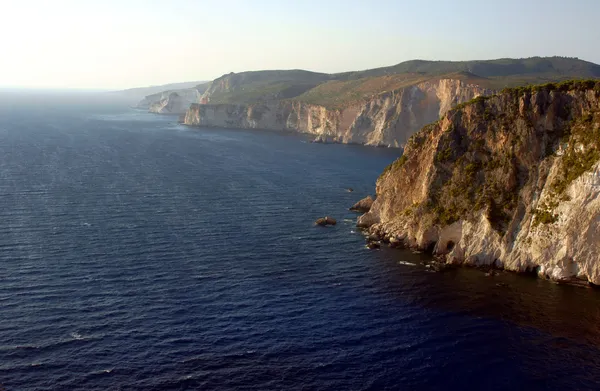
[(326, 221), (512, 181), (387, 119), (171, 102), (363, 205)]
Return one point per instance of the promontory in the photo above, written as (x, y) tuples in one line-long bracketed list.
[(510, 180)]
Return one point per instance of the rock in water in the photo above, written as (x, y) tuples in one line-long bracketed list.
[(395, 242), (364, 205), (373, 237), (323, 221), (373, 245), (349, 190)]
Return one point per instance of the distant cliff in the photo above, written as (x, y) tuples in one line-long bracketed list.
[(386, 119), (133, 96), (511, 180), (172, 101), (381, 106)]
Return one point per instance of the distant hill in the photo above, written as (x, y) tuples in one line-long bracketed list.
[(134, 95), (256, 86), (337, 90), (546, 67), (340, 89)]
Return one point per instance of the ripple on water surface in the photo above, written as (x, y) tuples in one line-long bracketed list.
[(141, 255)]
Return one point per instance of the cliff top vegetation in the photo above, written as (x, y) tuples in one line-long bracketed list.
[(485, 150), (341, 89)]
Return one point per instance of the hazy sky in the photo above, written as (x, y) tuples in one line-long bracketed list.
[(126, 43)]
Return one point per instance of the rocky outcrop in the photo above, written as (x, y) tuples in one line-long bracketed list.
[(363, 205), (387, 119), (373, 245), (326, 221), (174, 103), (171, 102), (511, 181)]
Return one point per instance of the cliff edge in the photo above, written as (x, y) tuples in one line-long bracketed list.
[(379, 107), (172, 101), (511, 181), (386, 119)]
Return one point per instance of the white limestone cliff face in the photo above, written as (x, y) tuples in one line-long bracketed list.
[(387, 119), (173, 103), (170, 102), (512, 182)]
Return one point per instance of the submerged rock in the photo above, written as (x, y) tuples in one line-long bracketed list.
[(373, 245), (440, 266), (395, 242), (325, 139), (374, 240), (323, 221)]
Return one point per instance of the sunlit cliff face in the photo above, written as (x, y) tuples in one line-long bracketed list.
[(387, 119), (511, 181)]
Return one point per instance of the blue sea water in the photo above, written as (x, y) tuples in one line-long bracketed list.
[(138, 254)]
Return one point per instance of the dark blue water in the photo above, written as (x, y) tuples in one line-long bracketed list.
[(136, 254)]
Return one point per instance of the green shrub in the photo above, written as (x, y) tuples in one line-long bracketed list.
[(444, 155), (473, 179), (575, 162), (471, 169), (544, 217), (395, 164)]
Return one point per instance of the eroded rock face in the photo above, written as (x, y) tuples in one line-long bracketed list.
[(363, 205), (387, 119), (511, 181), (174, 103), (170, 102)]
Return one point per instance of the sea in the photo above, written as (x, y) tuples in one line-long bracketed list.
[(140, 254)]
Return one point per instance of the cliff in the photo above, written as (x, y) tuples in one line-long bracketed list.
[(385, 119), (172, 101), (510, 181), (137, 96), (380, 107)]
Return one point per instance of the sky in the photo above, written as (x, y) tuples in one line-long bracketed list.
[(114, 44)]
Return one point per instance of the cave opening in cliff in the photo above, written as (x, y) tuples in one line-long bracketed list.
[(430, 248)]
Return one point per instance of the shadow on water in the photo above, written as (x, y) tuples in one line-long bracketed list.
[(523, 299)]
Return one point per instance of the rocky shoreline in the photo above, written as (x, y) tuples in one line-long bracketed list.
[(376, 239), (509, 182)]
